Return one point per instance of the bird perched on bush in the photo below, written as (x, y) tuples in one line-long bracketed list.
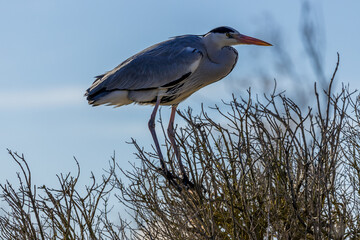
[(169, 72)]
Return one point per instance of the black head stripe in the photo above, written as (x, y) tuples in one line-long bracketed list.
[(222, 30)]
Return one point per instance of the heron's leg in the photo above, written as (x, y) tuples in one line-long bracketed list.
[(171, 135), (168, 175), (151, 125)]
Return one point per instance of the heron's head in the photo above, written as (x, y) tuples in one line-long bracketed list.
[(227, 36)]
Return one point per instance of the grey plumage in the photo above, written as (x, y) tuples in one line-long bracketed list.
[(167, 73), (151, 72)]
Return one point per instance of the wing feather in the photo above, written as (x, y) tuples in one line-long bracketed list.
[(154, 67)]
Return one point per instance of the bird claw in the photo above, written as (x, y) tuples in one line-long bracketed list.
[(187, 182), (191, 185), (174, 180), (170, 177)]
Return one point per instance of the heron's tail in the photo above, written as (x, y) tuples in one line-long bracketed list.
[(114, 97)]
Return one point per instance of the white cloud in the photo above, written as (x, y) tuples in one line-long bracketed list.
[(41, 97)]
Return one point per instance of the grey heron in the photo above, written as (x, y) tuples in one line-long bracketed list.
[(167, 73)]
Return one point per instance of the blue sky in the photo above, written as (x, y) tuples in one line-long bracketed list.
[(51, 50)]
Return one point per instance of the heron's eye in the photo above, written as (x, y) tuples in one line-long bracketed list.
[(228, 35)]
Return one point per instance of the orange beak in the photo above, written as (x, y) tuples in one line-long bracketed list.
[(243, 39)]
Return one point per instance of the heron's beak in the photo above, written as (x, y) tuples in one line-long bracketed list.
[(243, 39)]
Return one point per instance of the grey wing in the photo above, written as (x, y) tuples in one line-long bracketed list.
[(159, 66)]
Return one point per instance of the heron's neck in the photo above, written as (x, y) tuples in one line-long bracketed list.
[(214, 50)]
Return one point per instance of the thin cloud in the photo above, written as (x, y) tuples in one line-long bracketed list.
[(41, 98)]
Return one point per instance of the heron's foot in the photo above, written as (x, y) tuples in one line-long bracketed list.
[(186, 182), (190, 185), (170, 177), (176, 181)]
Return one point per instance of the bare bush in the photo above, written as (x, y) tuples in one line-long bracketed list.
[(266, 170), (68, 212)]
